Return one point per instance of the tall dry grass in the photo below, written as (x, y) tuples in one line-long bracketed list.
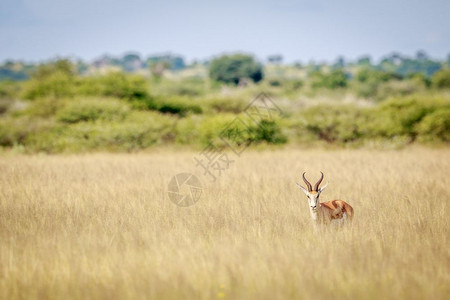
[(100, 226)]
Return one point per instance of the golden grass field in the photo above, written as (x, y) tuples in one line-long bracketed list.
[(100, 226)]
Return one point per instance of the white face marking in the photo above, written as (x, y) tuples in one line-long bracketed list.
[(313, 201)]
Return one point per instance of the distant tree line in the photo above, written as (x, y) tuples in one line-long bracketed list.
[(394, 63)]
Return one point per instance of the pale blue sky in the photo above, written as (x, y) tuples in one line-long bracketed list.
[(299, 30)]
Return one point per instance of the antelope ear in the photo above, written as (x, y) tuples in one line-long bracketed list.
[(302, 188), (322, 188)]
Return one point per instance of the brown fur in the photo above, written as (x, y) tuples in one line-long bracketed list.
[(334, 210)]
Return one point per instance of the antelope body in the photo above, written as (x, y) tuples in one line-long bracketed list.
[(334, 211)]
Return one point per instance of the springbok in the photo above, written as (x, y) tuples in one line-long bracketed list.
[(335, 211)]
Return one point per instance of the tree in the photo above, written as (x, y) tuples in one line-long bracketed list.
[(365, 60), (234, 68), (131, 62), (170, 61), (340, 63), (422, 55)]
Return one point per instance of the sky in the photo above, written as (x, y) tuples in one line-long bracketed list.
[(305, 30)]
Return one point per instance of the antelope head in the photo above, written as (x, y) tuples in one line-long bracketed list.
[(312, 193)]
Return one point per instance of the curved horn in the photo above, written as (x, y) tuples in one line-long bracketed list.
[(307, 182), (316, 187)]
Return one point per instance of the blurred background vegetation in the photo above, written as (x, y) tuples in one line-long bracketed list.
[(130, 103)]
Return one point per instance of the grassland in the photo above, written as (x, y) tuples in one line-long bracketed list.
[(100, 226)]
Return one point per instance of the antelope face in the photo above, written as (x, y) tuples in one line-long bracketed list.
[(313, 194), (313, 200)]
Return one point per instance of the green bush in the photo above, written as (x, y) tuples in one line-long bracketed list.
[(5, 104), (367, 89), (224, 104), (187, 87), (334, 124), (293, 84), (11, 132), (62, 84), (60, 66), (396, 88), (435, 127), (367, 82), (332, 80), (275, 82), (419, 79), (268, 131), (47, 140), (212, 126), (400, 116), (187, 131), (55, 85), (441, 79), (366, 74), (139, 130), (56, 79), (16, 131), (239, 130), (114, 84), (42, 107), (92, 109), (190, 87), (287, 84), (233, 68), (9, 89), (176, 105)]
